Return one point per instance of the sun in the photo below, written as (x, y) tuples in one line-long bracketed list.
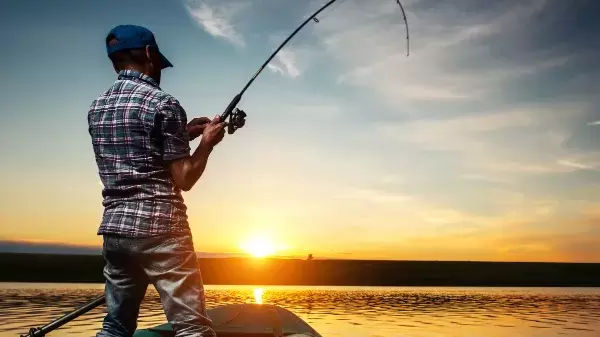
[(259, 246)]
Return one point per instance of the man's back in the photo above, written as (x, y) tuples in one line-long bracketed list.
[(136, 130)]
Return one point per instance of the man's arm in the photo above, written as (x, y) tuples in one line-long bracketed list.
[(187, 171)]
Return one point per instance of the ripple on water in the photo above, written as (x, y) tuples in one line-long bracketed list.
[(344, 311)]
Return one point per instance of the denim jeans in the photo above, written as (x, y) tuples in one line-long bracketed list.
[(170, 264)]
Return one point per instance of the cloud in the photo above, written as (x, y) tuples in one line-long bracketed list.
[(462, 133), (460, 54), (217, 17), (594, 123), (216, 20), (575, 165), (589, 161), (285, 64)]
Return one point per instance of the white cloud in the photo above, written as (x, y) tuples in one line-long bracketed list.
[(575, 165), (216, 20), (594, 123), (285, 64)]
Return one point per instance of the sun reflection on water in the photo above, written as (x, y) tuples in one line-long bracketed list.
[(258, 294)]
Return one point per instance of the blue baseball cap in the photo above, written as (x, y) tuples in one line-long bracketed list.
[(131, 37)]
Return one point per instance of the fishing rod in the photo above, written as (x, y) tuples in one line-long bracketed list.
[(57, 323), (237, 117)]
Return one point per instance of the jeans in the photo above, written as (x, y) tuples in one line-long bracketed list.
[(170, 264)]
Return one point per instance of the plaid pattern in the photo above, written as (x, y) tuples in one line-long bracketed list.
[(136, 128)]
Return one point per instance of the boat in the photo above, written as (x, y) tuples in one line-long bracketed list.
[(232, 320), (246, 320)]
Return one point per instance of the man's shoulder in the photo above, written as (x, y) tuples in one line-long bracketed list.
[(139, 92), (140, 89), (154, 96)]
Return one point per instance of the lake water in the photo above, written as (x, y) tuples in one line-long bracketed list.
[(343, 311)]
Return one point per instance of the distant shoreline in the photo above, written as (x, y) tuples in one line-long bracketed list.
[(23, 267)]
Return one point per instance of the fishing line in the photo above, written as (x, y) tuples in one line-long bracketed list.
[(237, 117)]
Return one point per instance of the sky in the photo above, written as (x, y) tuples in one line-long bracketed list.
[(483, 144)]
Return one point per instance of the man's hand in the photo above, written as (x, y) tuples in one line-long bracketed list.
[(213, 133), (186, 171), (196, 126)]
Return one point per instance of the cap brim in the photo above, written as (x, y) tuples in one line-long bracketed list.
[(165, 63)]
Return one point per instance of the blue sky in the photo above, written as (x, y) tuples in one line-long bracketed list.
[(483, 144)]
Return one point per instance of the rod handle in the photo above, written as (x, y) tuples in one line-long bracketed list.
[(230, 107)]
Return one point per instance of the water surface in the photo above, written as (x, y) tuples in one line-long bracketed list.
[(343, 311)]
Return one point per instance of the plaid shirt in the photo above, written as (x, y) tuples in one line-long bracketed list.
[(136, 129)]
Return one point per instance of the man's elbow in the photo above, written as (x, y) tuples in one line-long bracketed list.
[(180, 175), (185, 185), (182, 183)]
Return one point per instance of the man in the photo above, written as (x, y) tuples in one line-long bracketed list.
[(141, 143)]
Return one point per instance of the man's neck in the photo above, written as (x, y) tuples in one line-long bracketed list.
[(142, 70)]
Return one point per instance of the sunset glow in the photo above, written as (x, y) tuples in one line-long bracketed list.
[(259, 246), (481, 145)]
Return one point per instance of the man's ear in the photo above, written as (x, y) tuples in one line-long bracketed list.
[(148, 55)]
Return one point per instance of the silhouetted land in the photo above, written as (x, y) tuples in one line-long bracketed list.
[(88, 268)]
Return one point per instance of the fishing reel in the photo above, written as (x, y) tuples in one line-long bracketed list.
[(237, 119)]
